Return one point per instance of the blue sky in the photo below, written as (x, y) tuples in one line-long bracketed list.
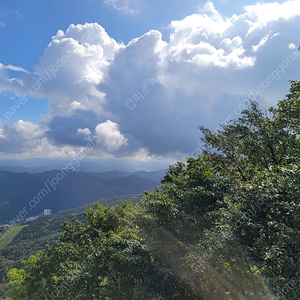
[(41, 19), (69, 68)]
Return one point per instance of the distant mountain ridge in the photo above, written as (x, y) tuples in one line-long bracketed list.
[(20, 169), (154, 175), (24, 195), (33, 165)]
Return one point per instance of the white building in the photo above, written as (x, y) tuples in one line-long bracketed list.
[(47, 212)]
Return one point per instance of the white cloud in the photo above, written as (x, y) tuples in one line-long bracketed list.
[(28, 129), (23, 136), (261, 14), (2, 135), (86, 133), (261, 43), (292, 46), (72, 64), (205, 39), (275, 34), (75, 105), (28, 140), (7, 83), (197, 77), (110, 136), (14, 68)]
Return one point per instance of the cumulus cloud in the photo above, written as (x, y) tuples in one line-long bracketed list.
[(72, 64), (209, 60), (63, 130), (109, 135), (29, 140), (147, 98), (261, 14), (21, 137)]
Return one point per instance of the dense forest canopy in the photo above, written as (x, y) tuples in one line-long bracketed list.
[(224, 225)]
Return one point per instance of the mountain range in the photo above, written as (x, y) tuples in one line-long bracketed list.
[(24, 195), (38, 165)]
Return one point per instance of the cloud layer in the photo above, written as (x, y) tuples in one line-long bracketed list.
[(146, 99)]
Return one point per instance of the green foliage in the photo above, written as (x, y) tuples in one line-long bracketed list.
[(101, 258), (214, 228), (187, 233), (4, 291), (187, 195), (288, 109), (39, 233), (259, 152)]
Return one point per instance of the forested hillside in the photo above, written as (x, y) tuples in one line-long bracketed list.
[(224, 225), (17, 243), (24, 195)]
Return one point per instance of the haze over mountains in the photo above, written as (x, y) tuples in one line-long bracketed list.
[(27, 194), (35, 165)]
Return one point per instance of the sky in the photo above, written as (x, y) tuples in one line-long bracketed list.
[(131, 80)]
